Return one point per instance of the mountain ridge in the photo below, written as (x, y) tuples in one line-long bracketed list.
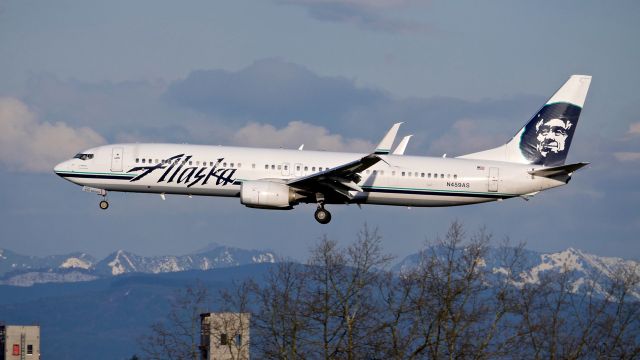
[(22, 270)]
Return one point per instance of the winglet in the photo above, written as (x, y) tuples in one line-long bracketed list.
[(402, 146), (387, 141)]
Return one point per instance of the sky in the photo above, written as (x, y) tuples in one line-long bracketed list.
[(463, 76)]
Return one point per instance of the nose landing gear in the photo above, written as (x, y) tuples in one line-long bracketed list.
[(104, 204), (322, 216)]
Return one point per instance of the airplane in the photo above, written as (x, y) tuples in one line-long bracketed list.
[(279, 179)]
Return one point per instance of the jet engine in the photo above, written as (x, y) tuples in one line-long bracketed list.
[(268, 195)]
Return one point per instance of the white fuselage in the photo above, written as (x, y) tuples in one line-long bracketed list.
[(220, 170)]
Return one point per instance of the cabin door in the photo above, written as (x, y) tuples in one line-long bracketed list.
[(116, 159), (493, 179)]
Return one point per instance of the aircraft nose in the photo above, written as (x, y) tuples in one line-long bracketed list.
[(60, 167)]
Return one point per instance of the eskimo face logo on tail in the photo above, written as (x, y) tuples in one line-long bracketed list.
[(552, 135), (175, 170), (547, 137)]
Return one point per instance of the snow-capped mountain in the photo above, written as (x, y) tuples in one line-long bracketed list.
[(585, 269), (121, 262), (12, 262), (21, 270)]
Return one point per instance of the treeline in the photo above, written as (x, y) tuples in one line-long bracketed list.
[(346, 303)]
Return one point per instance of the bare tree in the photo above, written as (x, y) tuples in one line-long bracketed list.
[(462, 299), (565, 317), (327, 308), (450, 304), (177, 337), (619, 326), (280, 322)]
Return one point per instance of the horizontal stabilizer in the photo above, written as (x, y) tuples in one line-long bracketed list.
[(558, 170)]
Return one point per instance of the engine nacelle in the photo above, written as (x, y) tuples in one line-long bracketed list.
[(267, 195)]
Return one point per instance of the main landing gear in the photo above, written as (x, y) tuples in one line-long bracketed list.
[(104, 204), (322, 216)]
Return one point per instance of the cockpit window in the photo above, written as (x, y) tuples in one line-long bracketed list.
[(83, 156)]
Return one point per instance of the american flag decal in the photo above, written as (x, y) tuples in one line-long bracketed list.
[(480, 167)]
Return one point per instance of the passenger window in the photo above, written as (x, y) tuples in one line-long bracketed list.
[(286, 167), (313, 168), (253, 166), (393, 173), (266, 167), (239, 165), (455, 176), (231, 165), (421, 174), (298, 168), (381, 172), (441, 176), (224, 164), (190, 162), (320, 168), (279, 167), (273, 167), (143, 161), (403, 173), (306, 168), (137, 160), (448, 176)]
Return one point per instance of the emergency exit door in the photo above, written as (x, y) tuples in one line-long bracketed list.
[(493, 179), (116, 159)]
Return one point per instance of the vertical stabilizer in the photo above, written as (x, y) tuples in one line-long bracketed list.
[(546, 138)]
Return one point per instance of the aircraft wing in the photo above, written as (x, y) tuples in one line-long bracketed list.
[(340, 179), (344, 178)]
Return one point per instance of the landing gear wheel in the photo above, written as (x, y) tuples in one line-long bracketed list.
[(104, 204), (322, 216)]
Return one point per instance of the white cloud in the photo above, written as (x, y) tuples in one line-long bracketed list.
[(634, 129), (466, 136), (27, 144), (295, 134), (627, 156)]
